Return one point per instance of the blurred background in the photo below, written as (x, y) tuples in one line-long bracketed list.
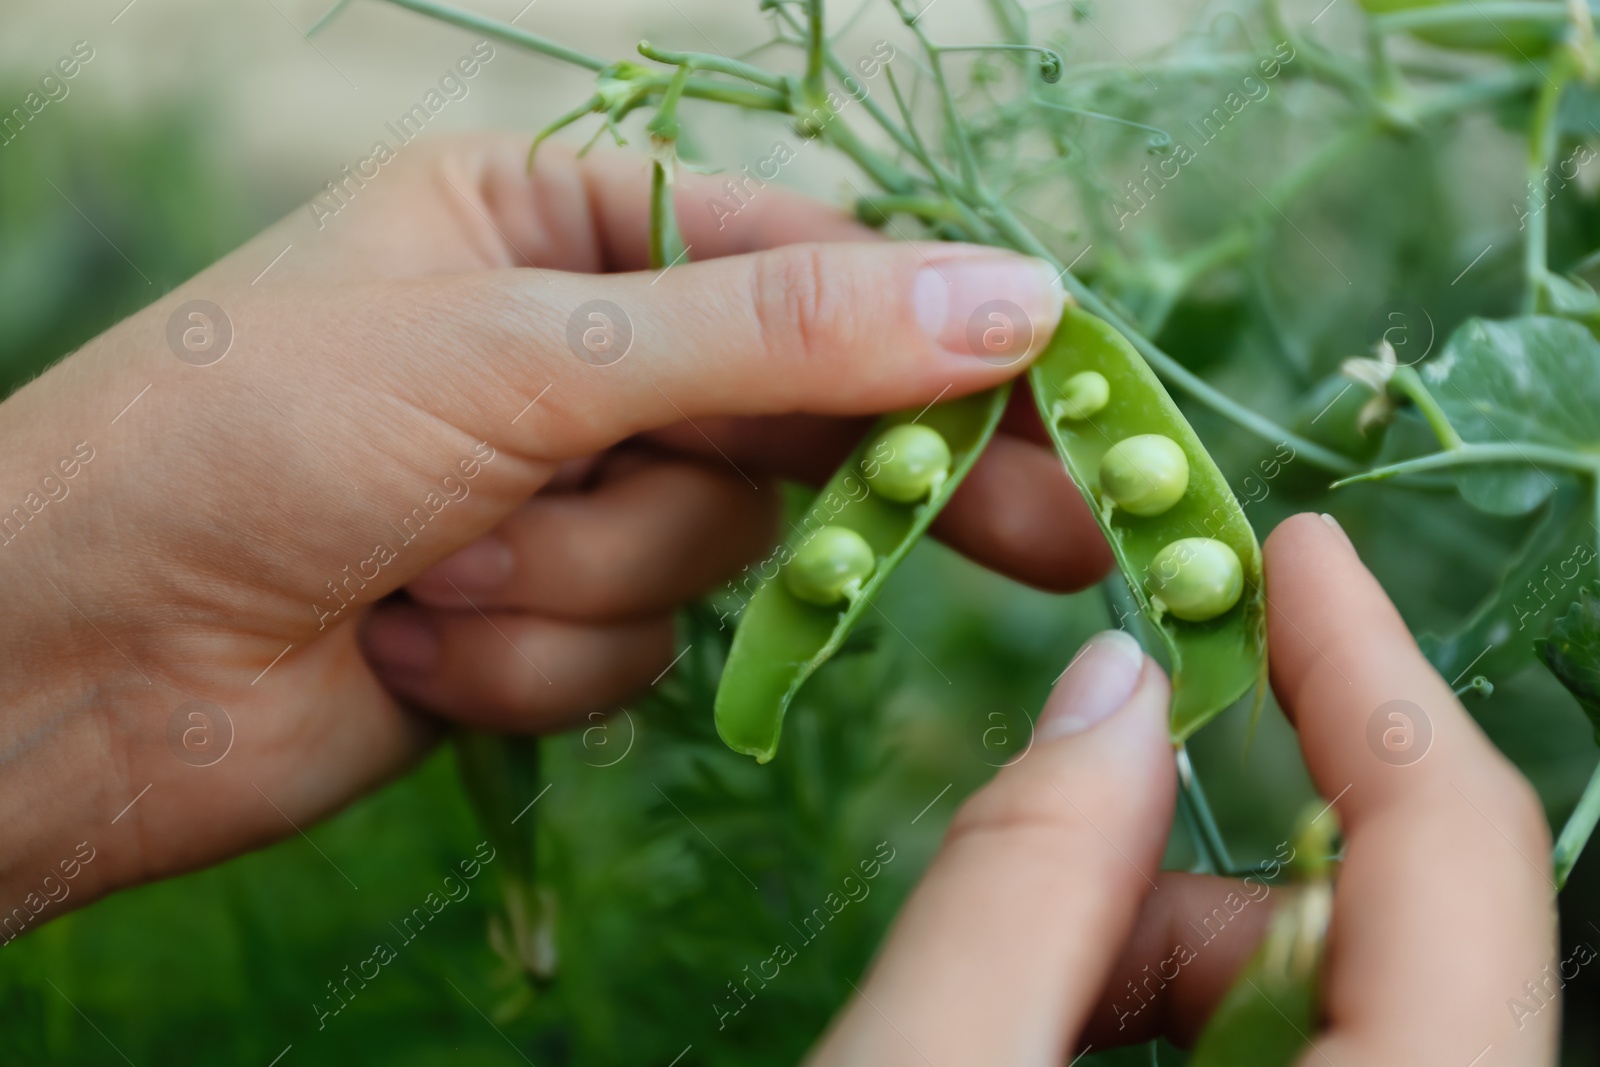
[(195, 124)]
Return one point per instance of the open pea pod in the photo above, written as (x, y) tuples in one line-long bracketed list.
[(1094, 391), (782, 639)]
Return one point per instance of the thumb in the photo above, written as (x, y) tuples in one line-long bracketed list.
[(1004, 948), (844, 329)]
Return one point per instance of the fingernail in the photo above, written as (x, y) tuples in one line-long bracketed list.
[(401, 643), (998, 307), (1333, 522), (482, 567), (1097, 685)]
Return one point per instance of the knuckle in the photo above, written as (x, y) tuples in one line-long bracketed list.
[(801, 306)]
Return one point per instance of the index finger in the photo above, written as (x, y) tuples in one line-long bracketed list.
[(1443, 908)]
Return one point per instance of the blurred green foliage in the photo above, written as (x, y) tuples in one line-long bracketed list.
[(680, 865)]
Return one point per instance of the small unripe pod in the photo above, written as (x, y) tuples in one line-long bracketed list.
[(918, 463), (1082, 395), (1196, 578), (1145, 475), (830, 567)]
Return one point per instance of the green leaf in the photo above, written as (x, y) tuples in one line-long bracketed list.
[(1572, 652), (1533, 379), (1570, 298), (1538, 581)]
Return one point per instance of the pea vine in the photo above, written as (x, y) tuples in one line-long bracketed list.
[(1513, 406)]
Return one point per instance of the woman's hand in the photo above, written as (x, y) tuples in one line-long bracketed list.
[(422, 369), (1043, 925)]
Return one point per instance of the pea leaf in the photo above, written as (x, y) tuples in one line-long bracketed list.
[(1532, 379), (1571, 298), (1556, 559), (1572, 652)]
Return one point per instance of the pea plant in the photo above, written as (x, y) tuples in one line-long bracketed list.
[(1272, 217)]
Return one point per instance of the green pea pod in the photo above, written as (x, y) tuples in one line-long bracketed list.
[(1269, 1015), (1215, 661), (782, 639)]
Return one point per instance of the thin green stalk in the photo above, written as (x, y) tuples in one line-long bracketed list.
[(1204, 861), (1543, 133), (503, 31), (1211, 834), (1408, 384), (1478, 91), (666, 244), (759, 99), (842, 72), (1576, 833), (816, 45), (1169, 368), (1474, 14), (715, 63), (952, 113), (1475, 455), (1050, 64), (928, 208)]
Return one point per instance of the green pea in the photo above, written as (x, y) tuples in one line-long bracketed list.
[(1082, 396), (830, 567), (1196, 578), (917, 463), (780, 643), (1145, 475)]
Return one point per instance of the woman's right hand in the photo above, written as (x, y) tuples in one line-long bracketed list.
[(1043, 925)]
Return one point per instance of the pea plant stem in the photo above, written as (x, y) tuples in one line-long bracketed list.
[(1208, 836), (816, 46), (467, 20), (1544, 13), (1577, 831), (758, 99), (957, 129), (1408, 383), (1543, 133), (1476, 455), (719, 64)]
